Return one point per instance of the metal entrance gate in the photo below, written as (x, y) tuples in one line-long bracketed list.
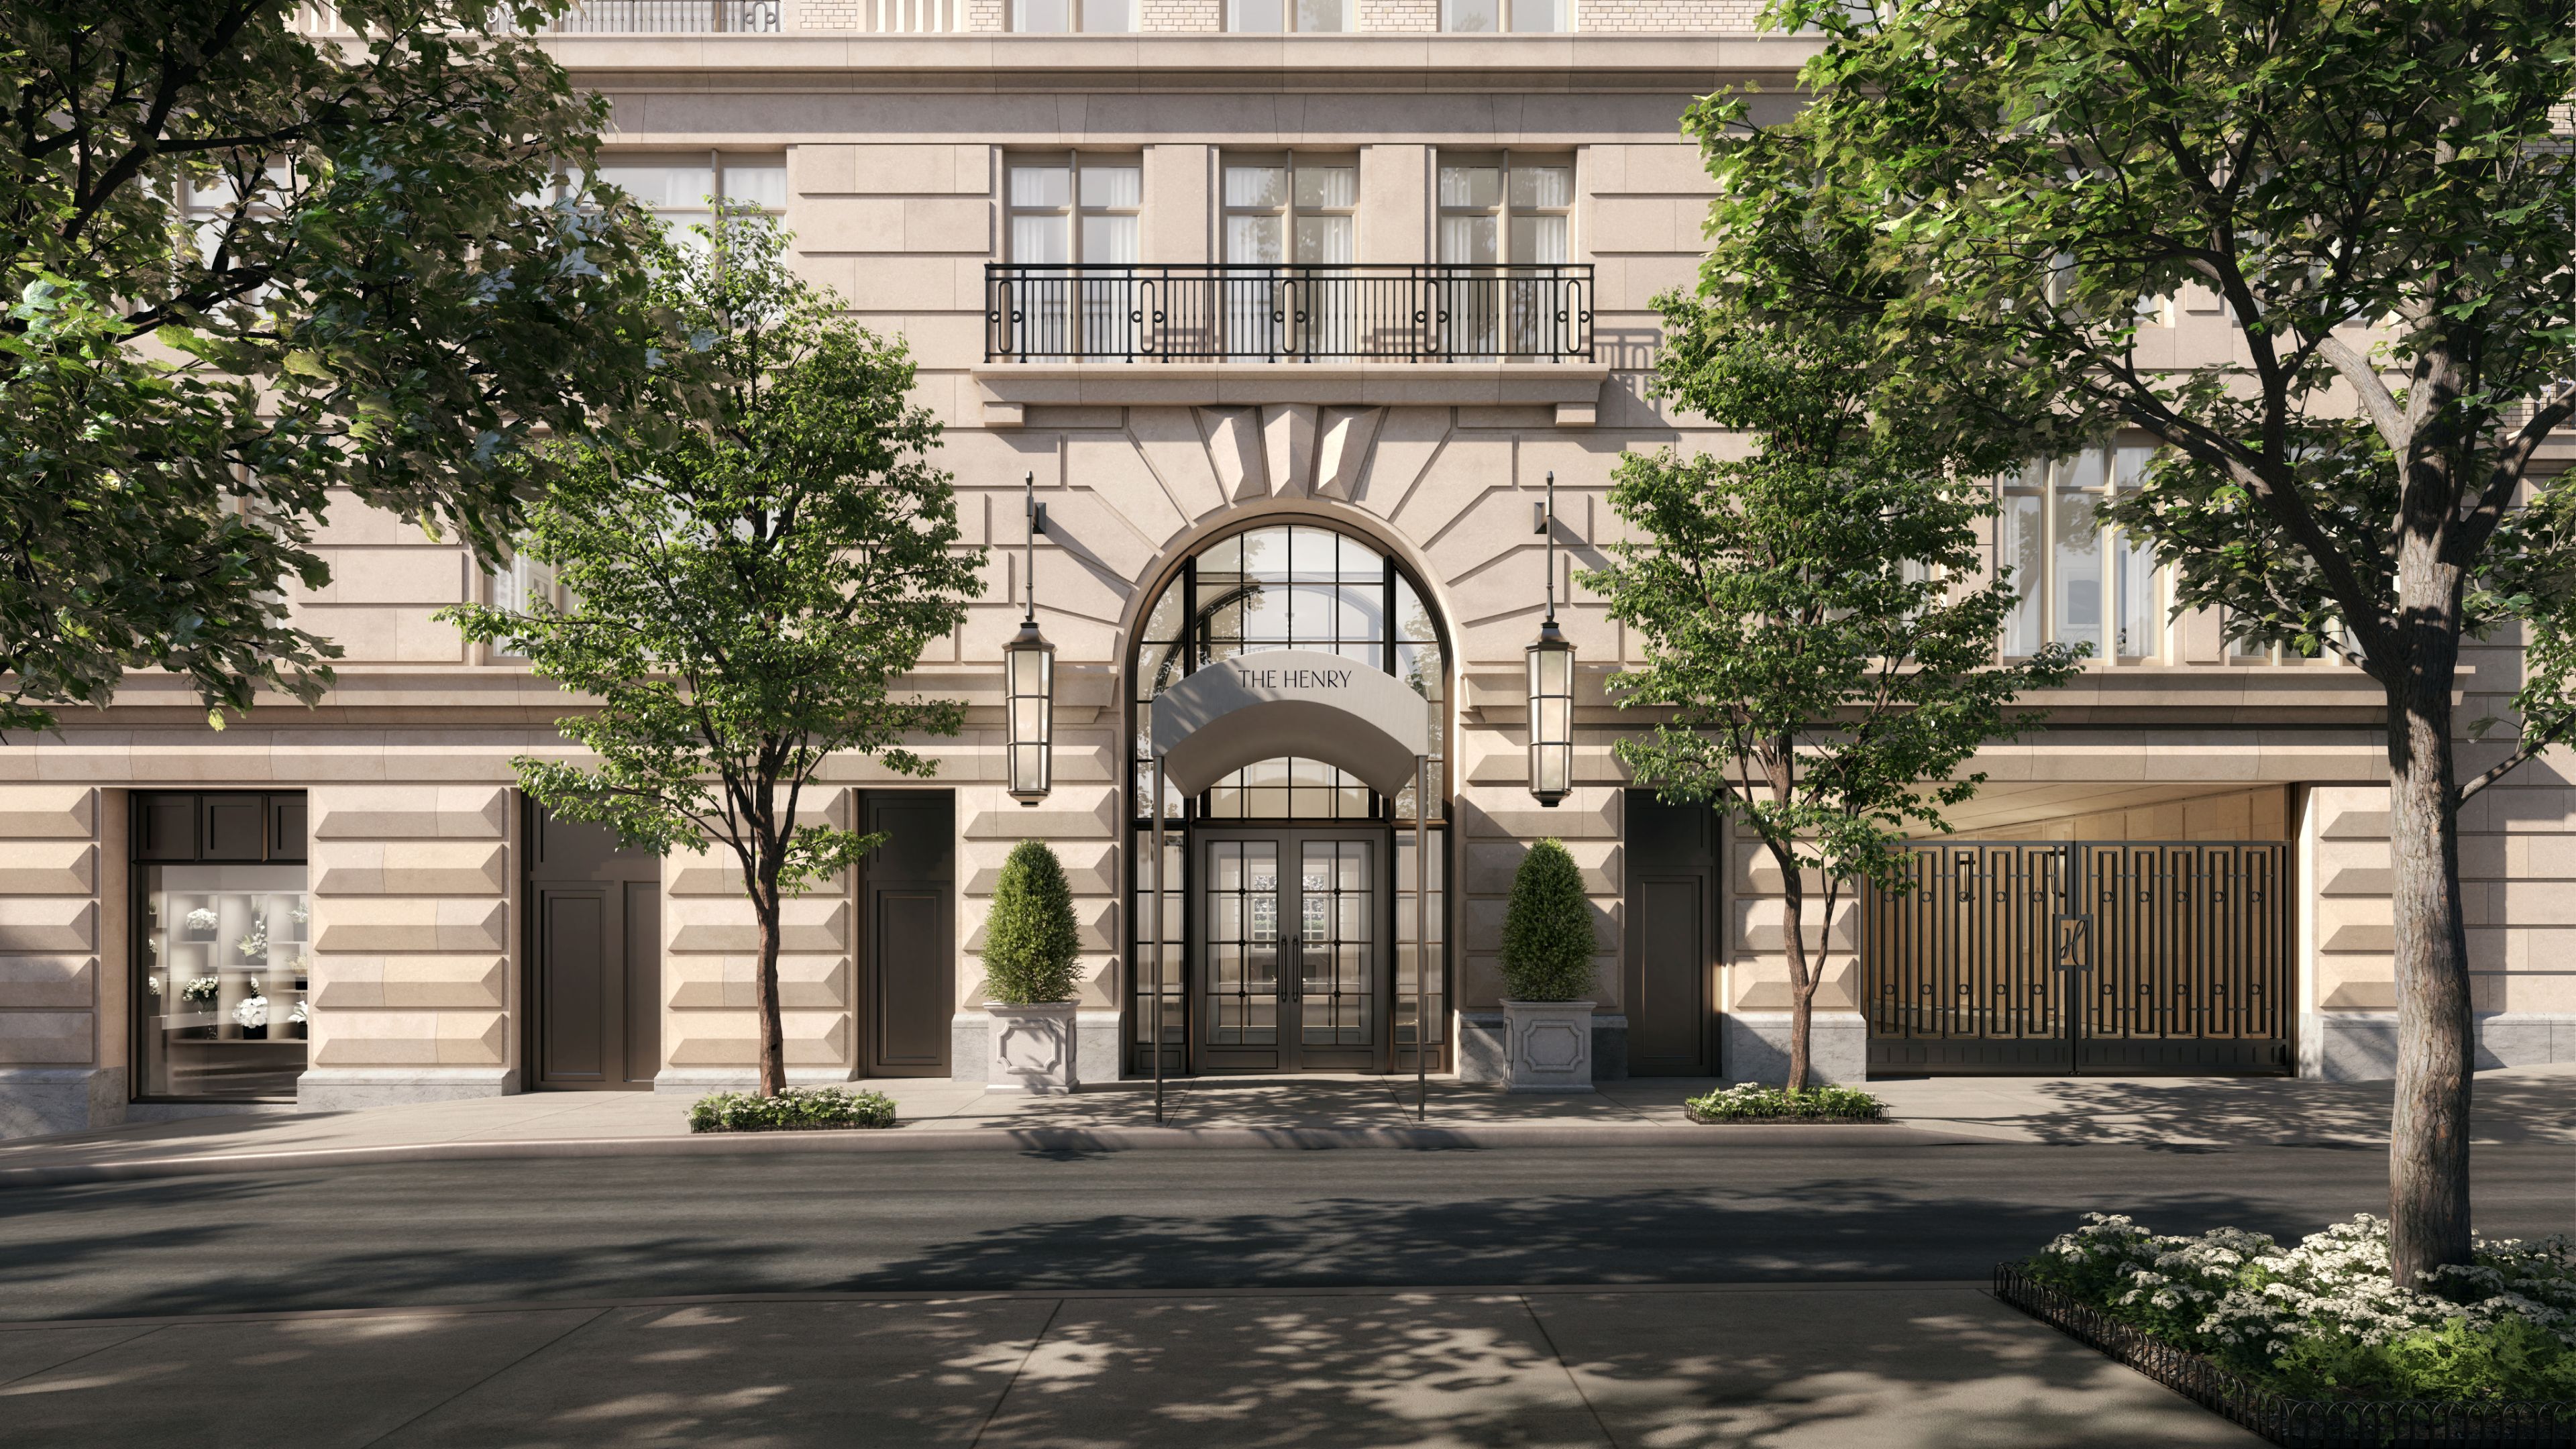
[(2113, 957)]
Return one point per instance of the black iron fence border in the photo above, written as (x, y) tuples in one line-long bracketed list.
[(2294, 1423), (1256, 311)]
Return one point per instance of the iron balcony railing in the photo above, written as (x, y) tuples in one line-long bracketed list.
[(1259, 312), (666, 17)]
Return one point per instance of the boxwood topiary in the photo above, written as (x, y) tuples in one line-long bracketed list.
[(1030, 941), (1547, 931)]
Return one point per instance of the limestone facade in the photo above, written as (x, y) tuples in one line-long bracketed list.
[(896, 149)]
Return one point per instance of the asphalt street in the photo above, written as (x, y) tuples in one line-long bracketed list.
[(530, 1232)]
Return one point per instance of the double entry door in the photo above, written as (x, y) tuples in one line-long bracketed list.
[(1290, 938)]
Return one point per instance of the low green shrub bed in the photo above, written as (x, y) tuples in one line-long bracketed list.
[(797, 1109), (1753, 1102), (2322, 1321)]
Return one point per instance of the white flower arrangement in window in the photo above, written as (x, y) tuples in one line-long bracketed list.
[(199, 988), (301, 1013), (252, 1010), (255, 945), (202, 919)]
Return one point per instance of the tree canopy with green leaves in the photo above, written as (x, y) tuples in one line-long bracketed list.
[(1810, 627), (742, 594), (2380, 200), (249, 271)]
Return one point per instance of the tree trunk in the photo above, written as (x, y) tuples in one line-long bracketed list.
[(1802, 986), (773, 1047), (2428, 1148)]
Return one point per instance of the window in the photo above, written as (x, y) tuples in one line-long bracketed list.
[(1272, 17), (1079, 211), (1285, 208), (2081, 580), (518, 586), (1486, 17), (222, 944), (677, 188), (227, 229), (1059, 17), (1500, 209)]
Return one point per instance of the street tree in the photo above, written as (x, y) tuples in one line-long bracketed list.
[(742, 596), (1814, 631), (2379, 200), (251, 273)]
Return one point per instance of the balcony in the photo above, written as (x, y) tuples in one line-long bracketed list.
[(1264, 313), (667, 17)]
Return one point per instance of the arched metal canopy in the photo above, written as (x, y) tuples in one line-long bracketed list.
[(1299, 702)]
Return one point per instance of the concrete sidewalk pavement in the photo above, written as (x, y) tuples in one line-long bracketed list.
[(2513, 1106), (1893, 1366)]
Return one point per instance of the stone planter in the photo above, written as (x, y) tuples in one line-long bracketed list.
[(1032, 1048), (1547, 1046)]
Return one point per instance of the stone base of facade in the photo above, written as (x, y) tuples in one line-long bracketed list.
[(41, 1101), (350, 1089), (2361, 1046), (1609, 1048), (1754, 1047), (1483, 1047), (1096, 1057)]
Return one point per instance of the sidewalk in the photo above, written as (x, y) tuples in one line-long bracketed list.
[(2513, 1106), (1892, 1366)]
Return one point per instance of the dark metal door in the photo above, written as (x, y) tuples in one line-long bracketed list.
[(1669, 961), (908, 924), (595, 952), (2042, 958), (1289, 951)]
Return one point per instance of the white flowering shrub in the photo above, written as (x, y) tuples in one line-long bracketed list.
[(2322, 1320), (1753, 1102), (797, 1109)]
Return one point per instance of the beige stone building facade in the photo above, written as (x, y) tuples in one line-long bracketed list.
[(1291, 314)]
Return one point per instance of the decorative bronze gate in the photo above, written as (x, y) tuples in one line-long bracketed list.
[(2113, 957)]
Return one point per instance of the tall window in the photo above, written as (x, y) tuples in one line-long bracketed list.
[(519, 586), (2081, 580), (1486, 17), (681, 188), (1286, 586), (1072, 208), (1289, 208), (1271, 17), (1498, 207), (223, 955), (1061, 17)]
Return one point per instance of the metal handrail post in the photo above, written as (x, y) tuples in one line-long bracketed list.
[(1160, 870), (1421, 937)]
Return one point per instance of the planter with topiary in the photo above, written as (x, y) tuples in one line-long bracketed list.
[(1547, 976), (1030, 949)]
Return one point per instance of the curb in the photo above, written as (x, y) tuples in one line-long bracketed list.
[(996, 1139)]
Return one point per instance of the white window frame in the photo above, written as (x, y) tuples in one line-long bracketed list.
[(1079, 17), (1348, 21), (717, 163), (2121, 466), (1507, 19)]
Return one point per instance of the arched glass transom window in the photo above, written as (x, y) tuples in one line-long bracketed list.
[(1286, 586)]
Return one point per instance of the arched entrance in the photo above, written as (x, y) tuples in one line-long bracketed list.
[(1289, 933)]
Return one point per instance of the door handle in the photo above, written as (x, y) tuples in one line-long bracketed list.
[(2073, 943)]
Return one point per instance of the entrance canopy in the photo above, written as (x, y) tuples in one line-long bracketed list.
[(1300, 702)]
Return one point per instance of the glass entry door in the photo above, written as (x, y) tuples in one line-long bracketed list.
[(1291, 952)]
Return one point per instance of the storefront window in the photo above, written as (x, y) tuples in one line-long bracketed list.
[(223, 945)]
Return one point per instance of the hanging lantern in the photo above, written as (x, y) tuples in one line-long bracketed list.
[(1551, 686), (1028, 684)]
